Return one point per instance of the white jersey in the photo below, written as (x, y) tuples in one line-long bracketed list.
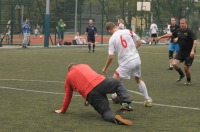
[(168, 29), (123, 42), (121, 26), (153, 28)]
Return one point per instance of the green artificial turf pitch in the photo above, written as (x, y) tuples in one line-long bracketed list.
[(31, 87)]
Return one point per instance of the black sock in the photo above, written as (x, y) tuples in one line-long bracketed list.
[(180, 71), (188, 79), (89, 46), (93, 46)]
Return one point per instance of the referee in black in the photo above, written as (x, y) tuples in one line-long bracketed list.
[(91, 33), (187, 41)]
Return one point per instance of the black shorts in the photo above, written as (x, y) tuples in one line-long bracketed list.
[(184, 57), (61, 35), (154, 35), (91, 39), (98, 96)]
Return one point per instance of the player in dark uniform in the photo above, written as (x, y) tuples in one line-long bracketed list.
[(91, 33), (188, 42), (173, 46)]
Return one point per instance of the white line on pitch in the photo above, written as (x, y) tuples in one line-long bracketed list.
[(20, 89), (30, 80), (52, 82), (134, 92), (171, 106)]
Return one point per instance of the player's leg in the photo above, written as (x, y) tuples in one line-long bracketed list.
[(188, 63), (135, 72), (59, 38), (93, 42), (170, 60), (100, 103), (177, 48), (89, 44), (153, 41), (171, 51), (176, 63), (188, 75), (152, 38), (111, 85), (62, 38), (155, 37), (116, 76), (115, 99), (141, 84), (143, 89), (26, 40)]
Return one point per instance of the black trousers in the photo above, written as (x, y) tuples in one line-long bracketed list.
[(97, 98)]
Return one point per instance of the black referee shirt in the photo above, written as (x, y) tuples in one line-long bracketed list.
[(173, 28), (91, 31), (185, 39)]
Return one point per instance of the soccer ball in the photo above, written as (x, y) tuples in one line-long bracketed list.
[(115, 99)]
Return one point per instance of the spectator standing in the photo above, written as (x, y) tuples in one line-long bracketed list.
[(26, 26), (60, 28), (153, 31)]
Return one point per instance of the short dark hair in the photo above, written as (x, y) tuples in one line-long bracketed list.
[(173, 18), (110, 25), (71, 65), (184, 19)]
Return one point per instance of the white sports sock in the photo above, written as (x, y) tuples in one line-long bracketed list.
[(143, 89)]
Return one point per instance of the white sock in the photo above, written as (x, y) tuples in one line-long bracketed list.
[(143, 89)]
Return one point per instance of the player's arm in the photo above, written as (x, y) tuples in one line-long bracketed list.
[(193, 48), (23, 24), (66, 100), (138, 43), (95, 29), (86, 31), (150, 30), (29, 26), (59, 24), (164, 36), (136, 39), (108, 62), (111, 51), (194, 38)]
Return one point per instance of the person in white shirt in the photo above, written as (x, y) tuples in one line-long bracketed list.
[(168, 28), (125, 43), (153, 30), (79, 39), (35, 33), (121, 24)]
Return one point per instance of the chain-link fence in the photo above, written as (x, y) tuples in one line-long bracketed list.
[(13, 12)]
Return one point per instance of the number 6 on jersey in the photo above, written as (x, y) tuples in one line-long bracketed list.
[(123, 42)]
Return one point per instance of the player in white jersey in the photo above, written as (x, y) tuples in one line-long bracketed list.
[(153, 30), (125, 43)]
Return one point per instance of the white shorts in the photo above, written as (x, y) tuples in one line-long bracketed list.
[(132, 69)]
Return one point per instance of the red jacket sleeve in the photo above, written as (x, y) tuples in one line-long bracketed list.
[(67, 97)]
